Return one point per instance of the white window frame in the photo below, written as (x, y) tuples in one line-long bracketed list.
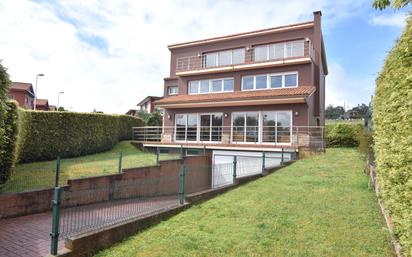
[(210, 86), (171, 93), (260, 128), (284, 46), (218, 57), (197, 128), (268, 80)]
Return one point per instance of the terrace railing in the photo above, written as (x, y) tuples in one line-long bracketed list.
[(296, 136), (200, 61)]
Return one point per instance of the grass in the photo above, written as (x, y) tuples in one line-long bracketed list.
[(355, 121), (320, 206), (38, 175)]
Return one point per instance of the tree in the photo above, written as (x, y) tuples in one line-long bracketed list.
[(358, 112), (334, 113), (155, 119), (396, 4), (61, 109)]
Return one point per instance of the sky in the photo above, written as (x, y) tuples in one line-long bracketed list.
[(108, 55)]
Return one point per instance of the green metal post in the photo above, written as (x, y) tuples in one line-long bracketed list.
[(120, 161), (204, 149), (282, 158), (57, 178), (234, 168), (56, 212), (157, 156), (263, 161), (182, 182), (181, 152)]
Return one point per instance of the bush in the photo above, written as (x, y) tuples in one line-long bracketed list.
[(46, 135), (365, 140), (392, 118), (342, 135), (9, 142)]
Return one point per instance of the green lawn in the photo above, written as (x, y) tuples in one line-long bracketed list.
[(42, 174), (320, 206)]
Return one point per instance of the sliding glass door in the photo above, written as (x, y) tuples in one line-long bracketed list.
[(186, 127), (199, 127), (211, 127), (262, 127)]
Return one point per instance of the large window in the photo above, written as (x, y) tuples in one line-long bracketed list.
[(223, 58), (262, 127), (268, 81), (279, 51), (186, 127), (211, 86), (199, 127)]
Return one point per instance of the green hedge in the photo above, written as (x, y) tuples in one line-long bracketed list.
[(46, 135), (9, 142), (343, 134), (392, 117)]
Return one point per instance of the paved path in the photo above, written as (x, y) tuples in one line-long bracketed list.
[(29, 236)]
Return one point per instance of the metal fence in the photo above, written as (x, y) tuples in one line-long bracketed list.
[(276, 136), (100, 205)]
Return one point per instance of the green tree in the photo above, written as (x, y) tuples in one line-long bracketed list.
[(155, 119), (334, 113), (395, 4)]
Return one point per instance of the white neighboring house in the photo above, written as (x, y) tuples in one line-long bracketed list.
[(147, 104)]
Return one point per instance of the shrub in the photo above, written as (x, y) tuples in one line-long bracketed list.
[(9, 142), (46, 135), (392, 118), (365, 140), (342, 135)]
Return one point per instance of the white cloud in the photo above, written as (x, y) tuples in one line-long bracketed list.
[(397, 19), (345, 90), (129, 57)]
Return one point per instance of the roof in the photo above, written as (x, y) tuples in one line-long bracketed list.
[(244, 34), (148, 99), (41, 102), (240, 95), (21, 86)]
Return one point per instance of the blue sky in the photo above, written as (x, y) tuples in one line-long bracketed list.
[(107, 55)]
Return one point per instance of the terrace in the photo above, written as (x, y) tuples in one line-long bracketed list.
[(261, 56), (238, 137)]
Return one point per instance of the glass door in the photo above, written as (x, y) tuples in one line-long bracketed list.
[(205, 127), (252, 127), (217, 122), (211, 127)]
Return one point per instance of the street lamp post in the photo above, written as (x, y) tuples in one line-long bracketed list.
[(35, 91), (58, 99)]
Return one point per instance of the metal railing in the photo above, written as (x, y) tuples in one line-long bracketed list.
[(199, 62), (296, 136)]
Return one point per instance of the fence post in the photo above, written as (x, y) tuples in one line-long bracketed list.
[(182, 182), (120, 161), (181, 152), (157, 156), (204, 149), (234, 168), (282, 158), (263, 161), (56, 212)]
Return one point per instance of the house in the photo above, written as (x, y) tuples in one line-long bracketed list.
[(23, 93), (52, 108), (262, 90), (147, 104), (42, 105), (131, 112)]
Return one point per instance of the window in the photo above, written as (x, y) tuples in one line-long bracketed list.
[(262, 127), (228, 85), (186, 127), (173, 90), (211, 86), (266, 81), (279, 50), (261, 82), (10, 97), (210, 127), (223, 58), (195, 127)]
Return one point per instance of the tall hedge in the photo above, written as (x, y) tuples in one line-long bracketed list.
[(392, 117), (46, 135), (8, 157)]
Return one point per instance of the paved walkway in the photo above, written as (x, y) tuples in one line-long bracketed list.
[(29, 236)]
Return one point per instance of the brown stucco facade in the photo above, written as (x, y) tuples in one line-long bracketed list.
[(311, 69)]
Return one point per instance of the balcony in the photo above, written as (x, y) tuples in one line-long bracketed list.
[(270, 55), (226, 137)]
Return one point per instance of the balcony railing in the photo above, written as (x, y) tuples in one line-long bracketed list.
[(201, 62), (295, 136)]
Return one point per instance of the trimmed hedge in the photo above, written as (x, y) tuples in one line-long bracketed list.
[(9, 142), (392, 117), (7, 127), (46, 135), (343, 134)]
